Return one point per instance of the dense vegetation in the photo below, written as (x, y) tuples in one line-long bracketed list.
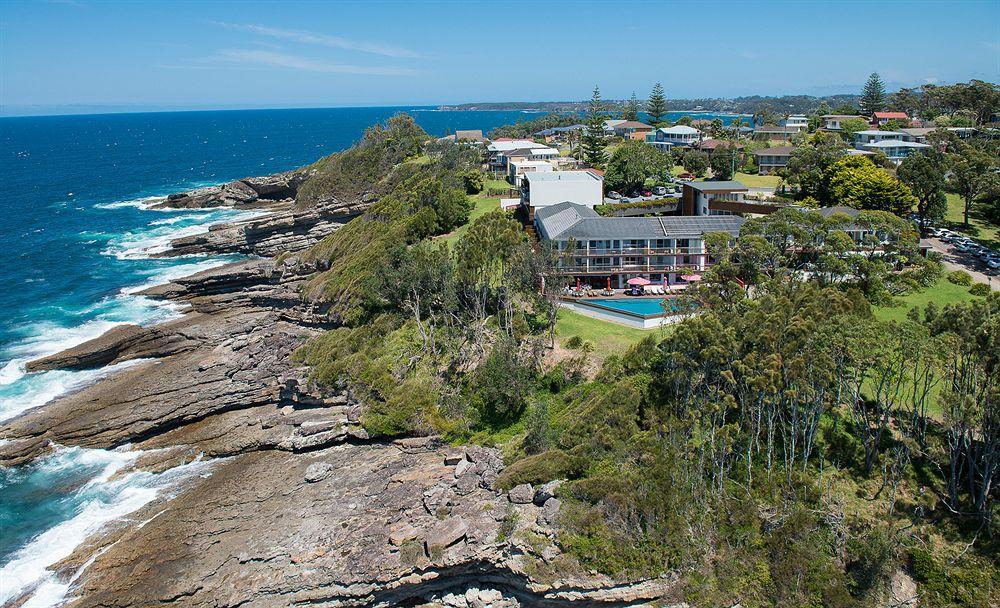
[(782, 447)]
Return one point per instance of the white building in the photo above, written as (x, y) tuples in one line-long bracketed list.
[(832, 122), (895, 149), (872, 136), (546, 188), (799, 122), (517, 168), (679, 135)]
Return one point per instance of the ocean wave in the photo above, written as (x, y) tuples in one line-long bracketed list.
[(103, 498), (155, 238), (165, 275), (145, 202), (28, 391), (21, 391)]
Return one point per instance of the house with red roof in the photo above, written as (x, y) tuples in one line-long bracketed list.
[(880, 118)]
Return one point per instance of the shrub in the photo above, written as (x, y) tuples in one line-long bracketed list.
[(960, 277), (980, 289), (574, 342), (473, 181)]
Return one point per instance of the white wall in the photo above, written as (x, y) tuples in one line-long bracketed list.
[(587, 192)]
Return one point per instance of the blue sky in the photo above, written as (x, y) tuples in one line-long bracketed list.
[(68, 55)]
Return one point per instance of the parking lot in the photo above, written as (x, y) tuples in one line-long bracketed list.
[(961, 253)]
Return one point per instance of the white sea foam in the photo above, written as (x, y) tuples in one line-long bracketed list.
[(102, 500), (170, 273), (36, 389), (156, 238), (145, 202)]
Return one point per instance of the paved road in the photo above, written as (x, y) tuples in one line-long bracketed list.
[(954, 259)]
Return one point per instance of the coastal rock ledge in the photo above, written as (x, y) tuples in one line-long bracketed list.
[(296, 505)]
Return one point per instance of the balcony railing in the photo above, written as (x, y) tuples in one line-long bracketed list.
[(593, 251)]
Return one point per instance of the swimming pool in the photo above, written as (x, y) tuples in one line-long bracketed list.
[(643, 307)]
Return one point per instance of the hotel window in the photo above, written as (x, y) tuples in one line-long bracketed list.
[(683, 243)]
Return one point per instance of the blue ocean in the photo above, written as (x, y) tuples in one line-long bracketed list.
[(79, 241)]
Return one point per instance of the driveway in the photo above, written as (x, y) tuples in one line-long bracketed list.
[(954, 259)]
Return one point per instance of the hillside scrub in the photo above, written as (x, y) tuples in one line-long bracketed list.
[(356, 173), (775, 449)]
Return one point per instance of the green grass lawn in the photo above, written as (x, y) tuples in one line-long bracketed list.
[(758, 181), (944, 292), (481, 206), (980, 230), (606, 337)]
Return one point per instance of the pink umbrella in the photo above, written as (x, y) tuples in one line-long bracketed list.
[(691, 277), (638, 281)]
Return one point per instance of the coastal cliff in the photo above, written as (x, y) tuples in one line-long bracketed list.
[(298, 503), (301, 505)]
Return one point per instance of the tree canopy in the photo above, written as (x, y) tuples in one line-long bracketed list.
[(873, 96), (633, 163)]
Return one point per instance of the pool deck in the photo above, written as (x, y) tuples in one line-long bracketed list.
[(597, 311)]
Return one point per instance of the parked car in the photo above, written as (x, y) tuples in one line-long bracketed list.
[(993, 263), (614, 195), (647, 193), (659, 190)]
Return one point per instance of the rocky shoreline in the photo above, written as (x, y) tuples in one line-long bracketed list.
[(301, 506)]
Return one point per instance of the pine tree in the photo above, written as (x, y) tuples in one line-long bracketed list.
[(593, 136), (656, 107), (873, 95), (631, 111)]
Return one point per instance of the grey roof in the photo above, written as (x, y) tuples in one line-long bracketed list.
[(779, 151), (570, 220), (473, 134), (561, 129), (566, 176), (716, 186), (775, 129), (828, 211)]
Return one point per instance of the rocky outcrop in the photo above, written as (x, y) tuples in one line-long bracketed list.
[(341, 526), (121, 343), (286, 230), (244, 193), (301, 506)]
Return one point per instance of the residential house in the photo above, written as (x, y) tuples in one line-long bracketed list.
[(832, 122), (504, 159), (516, 169), (774, 133), (713, 198), (470, 135), (547, 188), (918, 134), (611, 123), (799, 122), (770, 160), (871, 136), (560, 134), (881, 118), (496, 149), (602, 250), (895, 149), (679, 135), (711, 145), (632, 129)]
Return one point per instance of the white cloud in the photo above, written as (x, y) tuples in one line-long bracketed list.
[(305, 37), (281, 60)]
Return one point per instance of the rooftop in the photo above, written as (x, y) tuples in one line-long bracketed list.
[(896, 143), (679, 130), (719, 186), (779, 151), (633, 124), (877, 132), (775, 129), (570, 220), (469, 135), (891, 115), (562, 176)]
